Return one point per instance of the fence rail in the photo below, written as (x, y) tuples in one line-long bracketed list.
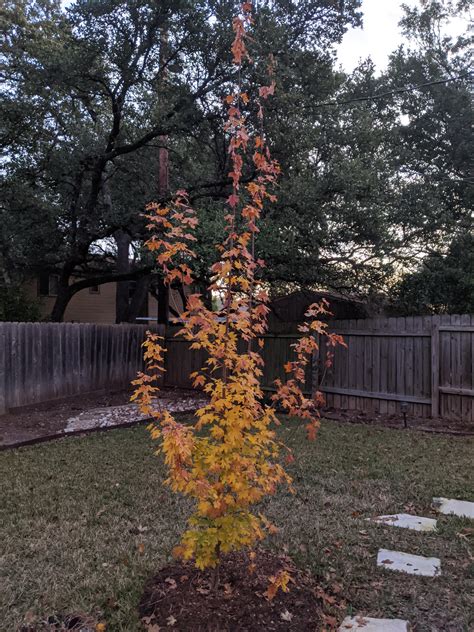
[(426, 362)]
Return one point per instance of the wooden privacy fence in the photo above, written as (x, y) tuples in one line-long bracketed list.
[(180, 360), (423, 361), (43, 361), (426, 362)]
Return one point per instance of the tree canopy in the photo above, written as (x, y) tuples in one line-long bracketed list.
[(372, 183), (444, 283)]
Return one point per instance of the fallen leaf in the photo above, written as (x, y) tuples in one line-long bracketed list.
[(202, 591), (330, 621), (467, 531), (171, 621), (362, 621), (286, 616), (30, 617), (141, 548), (150, 627), (386, 562), (172, 583), (322, 594), (100, 627)]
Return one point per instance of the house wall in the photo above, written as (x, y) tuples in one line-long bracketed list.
[(87, 307), (84, 306)]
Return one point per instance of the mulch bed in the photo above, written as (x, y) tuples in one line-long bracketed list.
[(46, 421), (180, 598), (382, 420), (49, 418)]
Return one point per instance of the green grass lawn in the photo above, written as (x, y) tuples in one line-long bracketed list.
[(74, 514)]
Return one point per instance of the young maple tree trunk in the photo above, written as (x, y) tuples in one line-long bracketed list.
[(216, 570), (163, 188), (163, 182)]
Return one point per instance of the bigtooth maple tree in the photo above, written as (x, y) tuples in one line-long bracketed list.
[(229, 459)]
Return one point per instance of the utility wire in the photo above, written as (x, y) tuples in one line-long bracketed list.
[(391, 92)]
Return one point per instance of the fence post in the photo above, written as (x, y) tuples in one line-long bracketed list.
[(3, 371), (435, 371)]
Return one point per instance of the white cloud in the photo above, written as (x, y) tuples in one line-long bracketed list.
[(380, 34)]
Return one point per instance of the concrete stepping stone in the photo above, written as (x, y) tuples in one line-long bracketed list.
[(407, 563), (367, 624), (406, 521), (450, 506)]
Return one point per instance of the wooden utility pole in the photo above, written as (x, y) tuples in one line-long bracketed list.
[(163, 180)]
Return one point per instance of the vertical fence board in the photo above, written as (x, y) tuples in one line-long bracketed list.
[(416, 325), (345, 366), (446, 368), (3, 369), (17, 353), (472, 368), (435, 368), (455, 342), (465, 381), (383, 377), (392, 364), (376, 364)]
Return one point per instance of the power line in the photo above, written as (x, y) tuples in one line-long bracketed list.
[(391, 92)]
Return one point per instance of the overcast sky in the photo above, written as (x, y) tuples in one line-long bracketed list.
[(380, 35)]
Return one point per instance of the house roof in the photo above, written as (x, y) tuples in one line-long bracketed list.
[(291, 308)]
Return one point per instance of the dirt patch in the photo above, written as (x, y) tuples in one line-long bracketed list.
[(63, 623), (180, 598), (436, 425), (53, 418)]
